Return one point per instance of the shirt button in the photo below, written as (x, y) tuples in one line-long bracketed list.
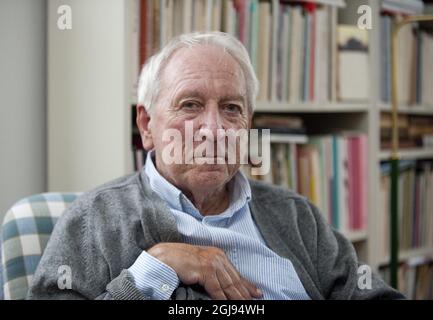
[(165, 287)]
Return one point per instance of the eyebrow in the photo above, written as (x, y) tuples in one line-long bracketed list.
[(233, 98), (195, 93)]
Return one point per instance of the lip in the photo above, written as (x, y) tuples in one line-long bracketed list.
[(214, 160), (210, 158)]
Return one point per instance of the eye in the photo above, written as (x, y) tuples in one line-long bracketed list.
[(190, 106), (233, 109)]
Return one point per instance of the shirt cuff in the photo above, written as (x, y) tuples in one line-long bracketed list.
[(154, 278)]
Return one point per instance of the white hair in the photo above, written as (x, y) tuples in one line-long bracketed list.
[(149, 83)]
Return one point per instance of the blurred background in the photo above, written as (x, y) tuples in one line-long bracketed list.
[(68, 82)]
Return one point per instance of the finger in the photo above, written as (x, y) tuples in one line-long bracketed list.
[(239, 281), (213, 287), (228, 285), (252, 289)]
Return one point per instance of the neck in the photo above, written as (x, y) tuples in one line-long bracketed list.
[(209, 202)]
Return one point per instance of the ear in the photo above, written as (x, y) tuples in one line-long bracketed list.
[(143, 120)]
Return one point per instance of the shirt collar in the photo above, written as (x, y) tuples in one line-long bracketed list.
[(239, 188), (160, 185)]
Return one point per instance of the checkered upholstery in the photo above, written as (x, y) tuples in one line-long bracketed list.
[(25, 231)]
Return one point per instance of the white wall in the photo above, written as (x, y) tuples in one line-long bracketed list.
[(22, 100), (88, 95)]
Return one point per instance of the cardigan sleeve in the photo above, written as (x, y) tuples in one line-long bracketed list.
[(72, 245)]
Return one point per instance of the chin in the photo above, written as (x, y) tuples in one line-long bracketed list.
[(211, 175)]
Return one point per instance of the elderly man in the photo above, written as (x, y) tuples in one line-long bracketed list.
[(197, 229)]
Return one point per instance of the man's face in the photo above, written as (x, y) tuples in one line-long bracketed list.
[(205, 86)]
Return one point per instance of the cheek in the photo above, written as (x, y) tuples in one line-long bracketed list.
[(241, 122), (161, 125)]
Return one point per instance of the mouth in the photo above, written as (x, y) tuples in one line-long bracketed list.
[(214, 159)]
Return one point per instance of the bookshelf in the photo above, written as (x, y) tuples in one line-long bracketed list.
[(409, 254), (276, 107), (287, 138), (357, 236), (91, 90), (415, 110), (420, 153)]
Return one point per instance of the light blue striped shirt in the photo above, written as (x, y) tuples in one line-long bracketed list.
[(233, 230)]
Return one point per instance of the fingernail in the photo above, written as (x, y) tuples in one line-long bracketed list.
[(259, 292)]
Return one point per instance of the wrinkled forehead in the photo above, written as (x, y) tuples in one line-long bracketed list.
[(204, 59)]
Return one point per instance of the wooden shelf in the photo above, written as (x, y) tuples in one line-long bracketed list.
[(356, 236), (413, 110), (338, 3), (411, 254), (408, 154), (403, 6), (281, 107), (289, 138)]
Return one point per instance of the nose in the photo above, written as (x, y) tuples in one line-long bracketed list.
[(211, 121)]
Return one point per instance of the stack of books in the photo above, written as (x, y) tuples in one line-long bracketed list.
[(331, 171), (415, 205), (414, 131), (292, 44), (415, 278), (414, 52)]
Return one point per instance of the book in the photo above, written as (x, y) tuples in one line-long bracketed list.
[(412, 130), (415, 204), (413, 59), (331, 171), (292, 44), (415, 278), (385, 43), (263, 52), (353, 48), (296, 61)]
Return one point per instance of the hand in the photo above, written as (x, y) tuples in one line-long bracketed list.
[(208, 267)]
